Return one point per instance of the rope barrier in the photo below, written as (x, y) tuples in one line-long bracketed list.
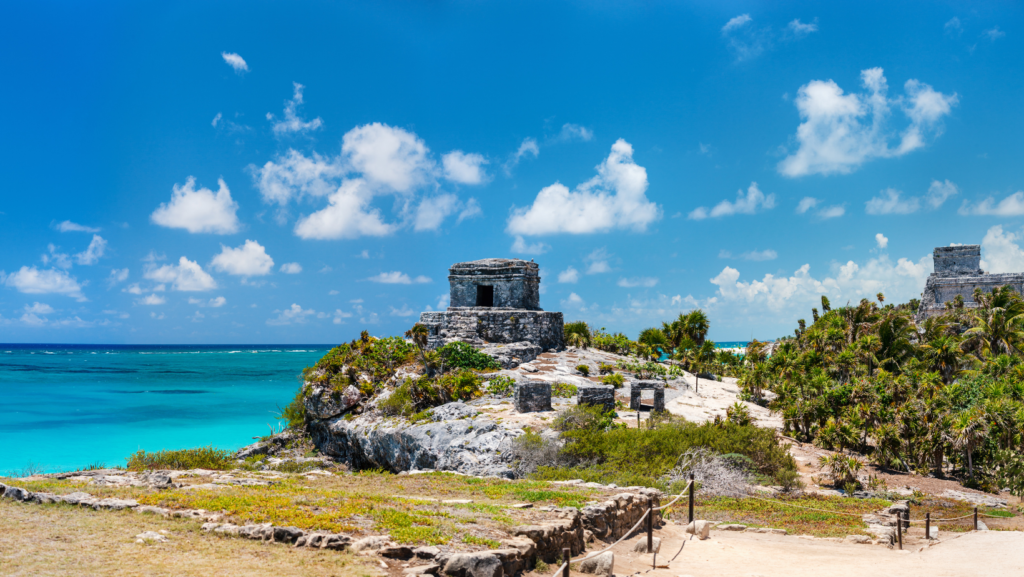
[(621, 539), (937, 520), (560, 569), (680, 496)]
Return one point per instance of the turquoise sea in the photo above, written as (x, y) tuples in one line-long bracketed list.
[(68, 406)]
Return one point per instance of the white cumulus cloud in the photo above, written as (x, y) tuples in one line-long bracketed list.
[(571, 132), (291, 268), (349, 215), (186, 276), (1012, 205), (153, 299), (638, 281), (292, 123), (212, 303), (1001, 251), (528, 147), (235, 61), (68, 226), (841, 131), (788, 298), (464, 168), (31, 280), (200, 210), (881, 240), (250, 259), (614, 199), (117, 275), (388, 156), (292, 315), (801, 29), (397, 277), (520, 246), (569, 275), (749, 203), (92, 254), (598, 261), (890, 201)]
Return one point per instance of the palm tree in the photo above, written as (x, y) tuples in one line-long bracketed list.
[(945, 355), (696, 326), (967, 429), (419, 334)]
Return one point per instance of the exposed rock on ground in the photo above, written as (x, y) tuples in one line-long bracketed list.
[(459, 439)]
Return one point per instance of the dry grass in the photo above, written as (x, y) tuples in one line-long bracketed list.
[(409, 508), (63, 540)]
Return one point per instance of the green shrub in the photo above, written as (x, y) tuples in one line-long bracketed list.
[(501, 386), (400, 402), (563, 390), (594, 452), (294, 413), (577, 334), (615, 379), (605, 368), (199, 458), (583, 370), (416, 395), (460, 355)]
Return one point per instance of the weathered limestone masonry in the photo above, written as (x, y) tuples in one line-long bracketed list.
[(637, 388), (533, 396), (958, 272), (496, 300), (598, 395)]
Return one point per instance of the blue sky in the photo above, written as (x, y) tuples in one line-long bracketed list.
[(265, 172)]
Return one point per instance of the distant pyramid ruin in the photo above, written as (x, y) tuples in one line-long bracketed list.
[(958, 272)]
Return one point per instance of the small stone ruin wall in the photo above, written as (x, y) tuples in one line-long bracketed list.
[(480, 326), (516, 283), (958, 272)]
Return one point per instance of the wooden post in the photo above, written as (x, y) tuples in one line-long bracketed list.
[(927, 525), (907, 526), (693, 489), (566, 555), (899, 530), (975, 518), (650, 525)]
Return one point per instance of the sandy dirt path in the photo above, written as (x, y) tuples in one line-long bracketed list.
[(728, 554)]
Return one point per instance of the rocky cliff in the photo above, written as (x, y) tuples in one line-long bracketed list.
[(454, 438)]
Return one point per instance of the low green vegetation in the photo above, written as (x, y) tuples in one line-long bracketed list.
[(942, 397), (501, 386), (415, 395), (563, 390), (200, 458), (460, 355), (597, 449)]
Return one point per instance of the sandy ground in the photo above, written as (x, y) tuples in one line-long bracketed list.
[(728, 554)]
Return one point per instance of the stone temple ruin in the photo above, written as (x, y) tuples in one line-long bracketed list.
[(958, 272), (495, 306)]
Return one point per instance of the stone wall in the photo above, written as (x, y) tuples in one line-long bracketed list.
[(480, 326), (516, 283), (958, 272), (637, 389), (598, 395), (957, 260), (533, 396)]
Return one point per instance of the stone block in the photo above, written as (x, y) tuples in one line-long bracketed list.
[(596, 395), (533, 396), (637, 388)]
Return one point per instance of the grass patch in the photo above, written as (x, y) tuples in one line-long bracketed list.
[(199, 458), (474, 540), (795, 520)]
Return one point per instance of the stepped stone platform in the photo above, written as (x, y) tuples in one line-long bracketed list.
[(958, 272), (496, 301)]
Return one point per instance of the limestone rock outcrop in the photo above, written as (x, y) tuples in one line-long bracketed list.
[(457, 439)]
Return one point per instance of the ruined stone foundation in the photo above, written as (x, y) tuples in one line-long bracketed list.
[(958, 272)]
